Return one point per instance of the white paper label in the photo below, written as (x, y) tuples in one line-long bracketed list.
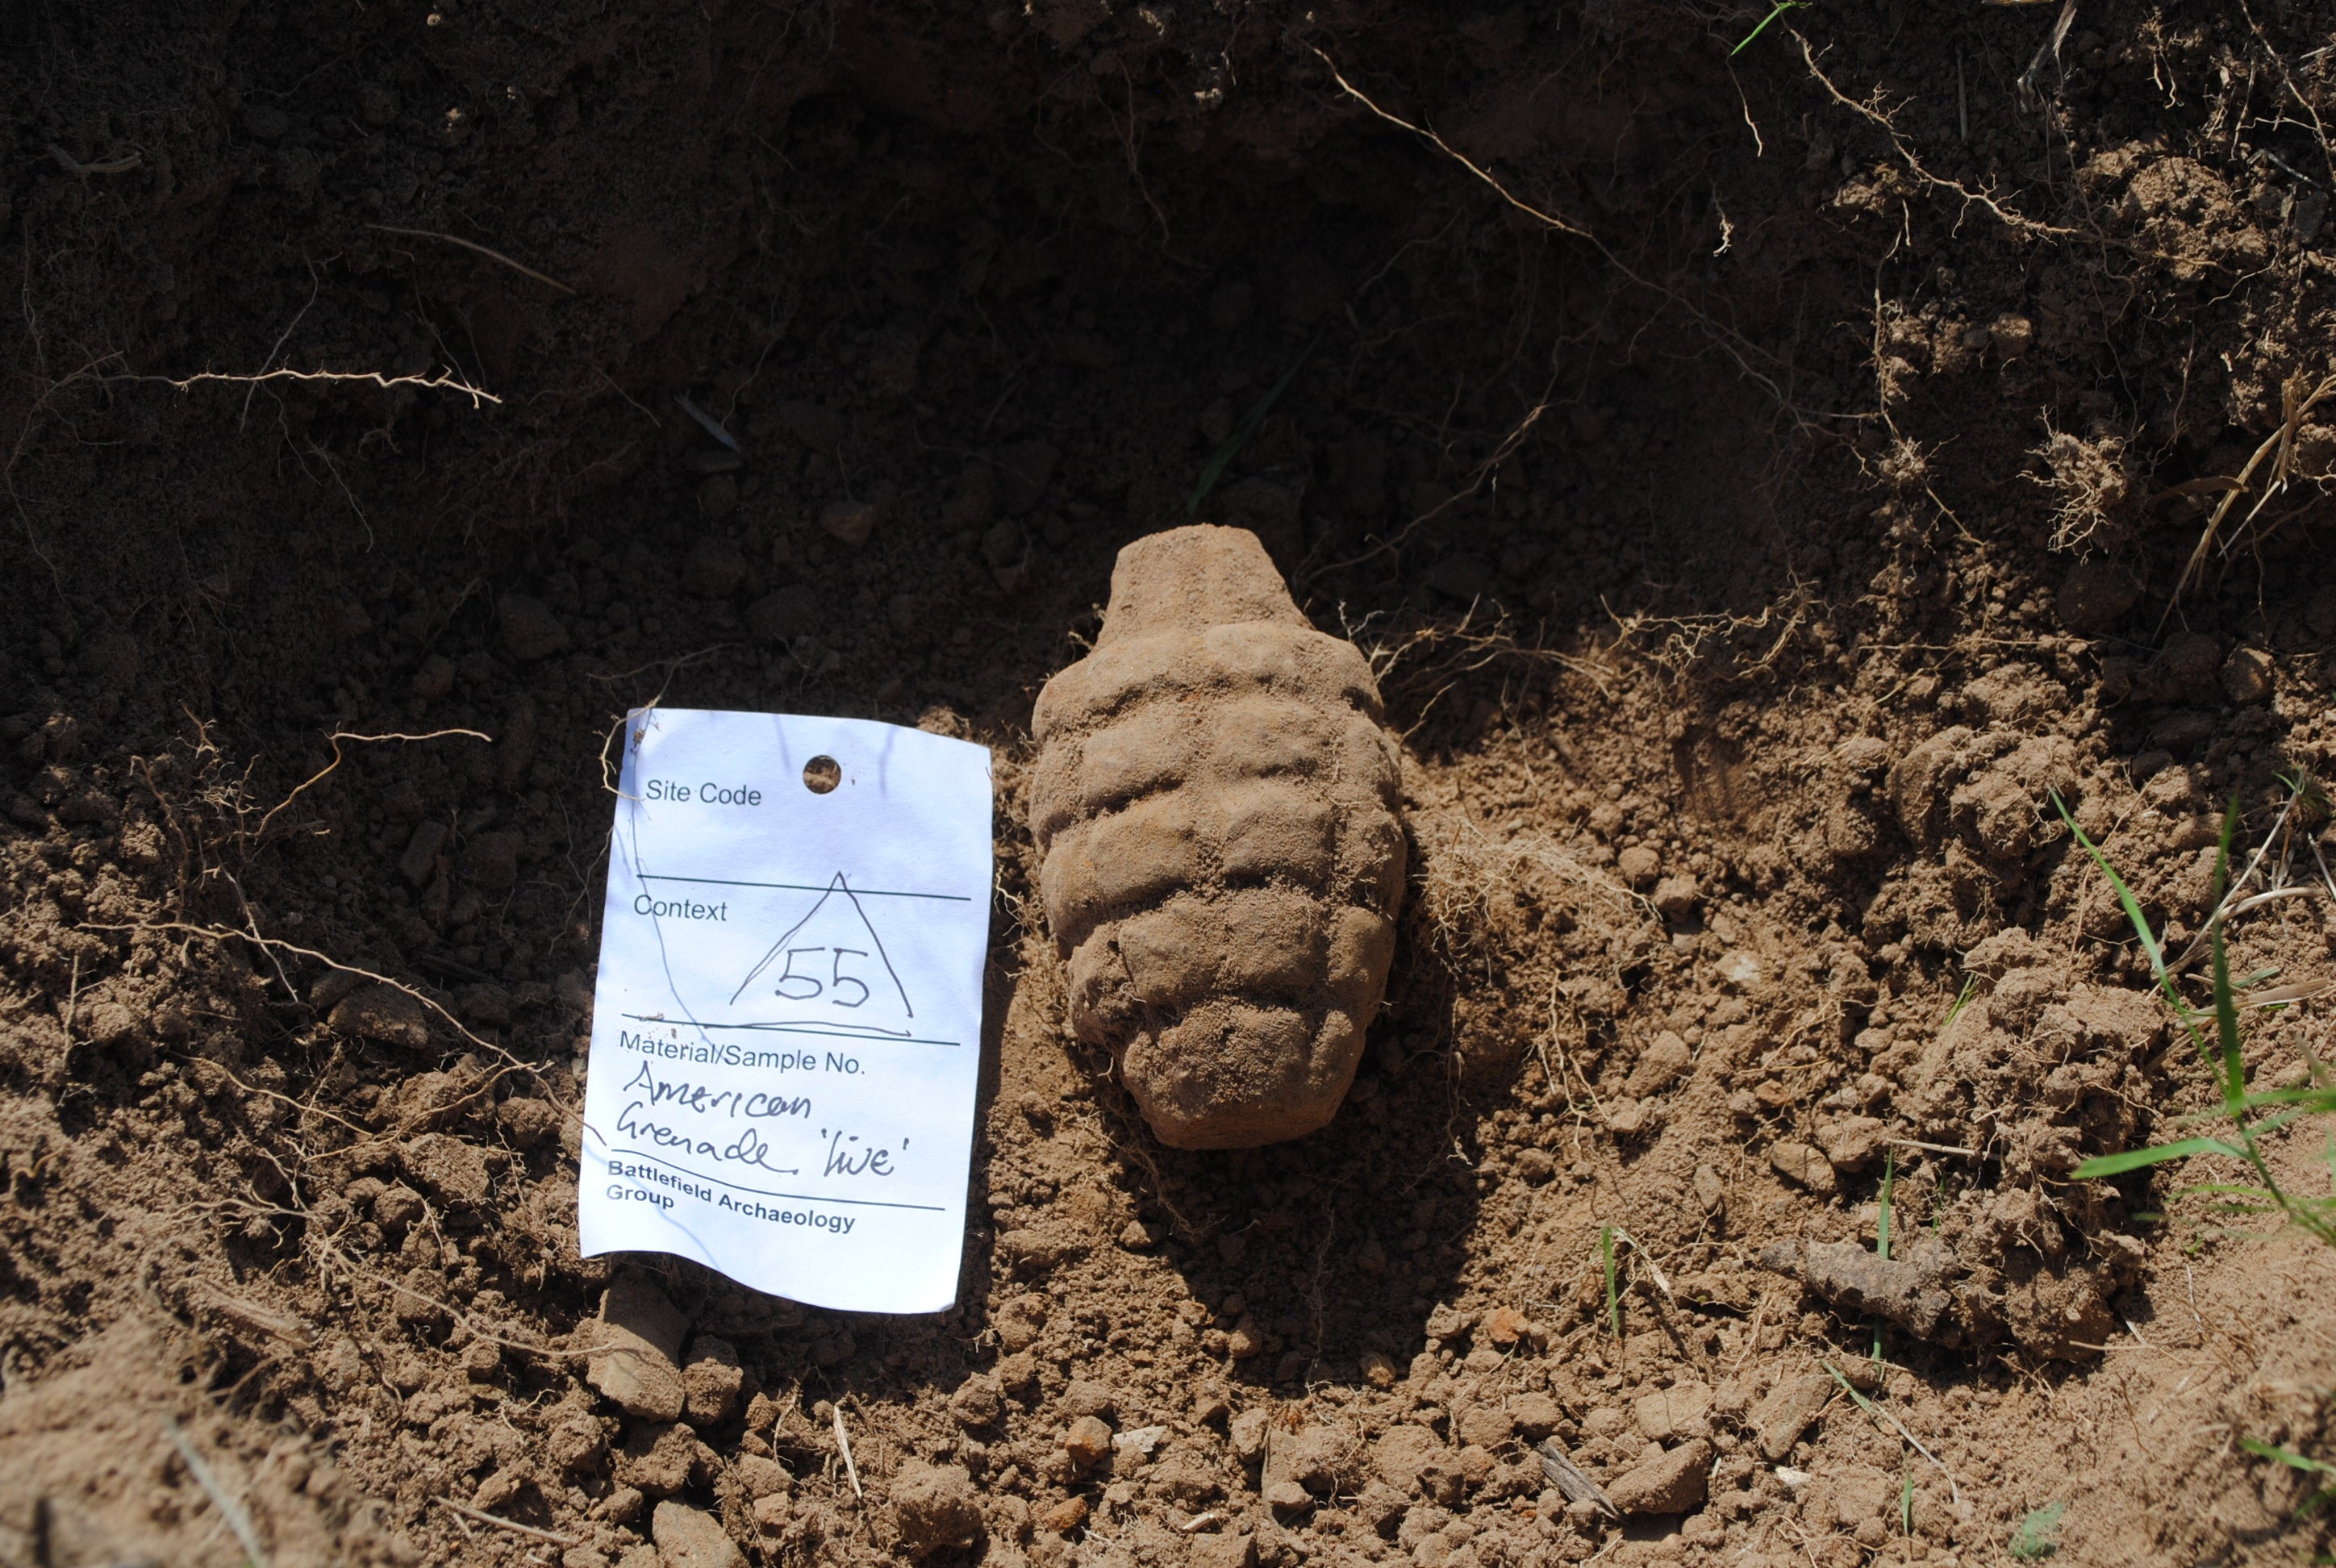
[(787, 1028)]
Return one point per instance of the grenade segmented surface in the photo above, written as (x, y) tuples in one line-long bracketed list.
[(1217, 807)]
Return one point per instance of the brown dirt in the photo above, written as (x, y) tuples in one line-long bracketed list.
[(1758, 478)]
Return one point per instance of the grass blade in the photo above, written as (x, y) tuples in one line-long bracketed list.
[(1614, 1295), (2135, 1159), (1781, 8)]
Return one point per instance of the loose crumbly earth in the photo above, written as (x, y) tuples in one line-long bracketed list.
[(1760, 476)]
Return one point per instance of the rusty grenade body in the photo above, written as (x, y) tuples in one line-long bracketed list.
[(1218, 809)]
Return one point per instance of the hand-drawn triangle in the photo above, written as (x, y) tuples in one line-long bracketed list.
[(831, 968)]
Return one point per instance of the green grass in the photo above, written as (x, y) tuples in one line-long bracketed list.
[(2039, 1534), (1778, 10), (2295, 1461), (1962, 1000), (2253, 1116), (1614, 1291)]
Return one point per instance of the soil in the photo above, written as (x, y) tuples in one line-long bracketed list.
[(1760, 476)]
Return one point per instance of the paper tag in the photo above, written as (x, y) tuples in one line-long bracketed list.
[(787, 1028)]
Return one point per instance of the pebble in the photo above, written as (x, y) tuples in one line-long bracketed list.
[(850, 521), (1677, 1411), (1535, 1414), (1677, 896), (690, 1537), (2247, 675), (1088, 1442), (530, 629), (1670, 1483), (1802, 1166), (1288, 1498), (635, 1346), (1781, 1417), (1065, 1517), (1639, 865)]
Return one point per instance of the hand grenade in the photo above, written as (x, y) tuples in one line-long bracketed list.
[(1219, 815)]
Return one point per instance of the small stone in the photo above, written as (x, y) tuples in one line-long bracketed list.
[(384, 1014), (1244, 1339), (1088, 1442), (787, 613), (1781, 1417), (1802, 1166), (1378, 1369), (1710, 1192), (773, 1511), (2247, 675), (636, 1344), (1137, 1443), (531, 631), (717, 494), (850, 522), (1669, 1482), (711, 1381), (715, 568), (690, 1537), (934, 1507), (1065, 1517), (1677, 896), (1639, 865), (1285, 1498), (1140, 1236), (1247, 1431)]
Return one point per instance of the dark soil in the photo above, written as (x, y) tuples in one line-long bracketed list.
[(1762, 478)]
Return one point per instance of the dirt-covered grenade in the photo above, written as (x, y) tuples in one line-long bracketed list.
[(1218, 808)]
